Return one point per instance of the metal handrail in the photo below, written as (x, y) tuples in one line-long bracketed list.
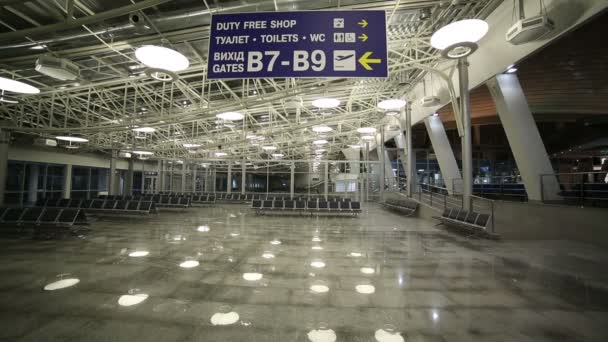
[(491, 202)]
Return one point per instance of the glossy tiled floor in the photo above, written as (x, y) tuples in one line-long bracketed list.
[(224, 274)]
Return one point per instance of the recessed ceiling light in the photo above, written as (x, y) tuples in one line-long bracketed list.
[(366, 130), (162, 58), (230, 116), (191, 145), (278, 155), (145, 129), (189, 264), (71, 139), (221, 154), (326, 103), (269, 148), (391, 104), (320, 142), (322, 129), (17, 86)]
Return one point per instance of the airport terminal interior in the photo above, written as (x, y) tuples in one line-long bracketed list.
[(304, 170)]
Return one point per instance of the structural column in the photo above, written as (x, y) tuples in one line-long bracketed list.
[(184, 174), (445, 156), (523, 136), (159, 176), (112, 174), (292, 179), (410, 170), (467, 147), (129, 180), (382, 159), (32, 190), (193, 170), (243, 177), (229, 178), (326, 184), (67, 181), (4, 142)]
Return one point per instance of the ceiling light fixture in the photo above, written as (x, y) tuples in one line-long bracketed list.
[(17, 86), (144, 129), (367, 137), (71, 139), (278, 155), (391, 104), (366, 130), (143, 153), (326, 103), (159, 57), (459, 39), (221, 154), (269, 148), (322, 129), (191, 145), (230, 116), (320, 142)]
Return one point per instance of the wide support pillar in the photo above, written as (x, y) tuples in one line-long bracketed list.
[(410, 170), (467, 146), (194, 171), (4, 142), (159, 177), (67, 181), (523, 136), (444, 153)]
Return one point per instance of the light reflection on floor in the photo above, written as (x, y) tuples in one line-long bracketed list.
[(263, 279)]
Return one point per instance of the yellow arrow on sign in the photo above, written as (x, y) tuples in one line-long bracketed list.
[(365, 61), (363, 37), (363, 23)]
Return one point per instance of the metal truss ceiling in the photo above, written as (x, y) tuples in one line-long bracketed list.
[(113, 95)]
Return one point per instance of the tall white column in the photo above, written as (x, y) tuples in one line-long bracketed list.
[(326, 184), (4, 142), (67, 181), (444, 153), (410, 171), (229, 178), (193, 170), (292, 179), (159, 177), (32, 189), (243, 177), (112, 180), (129, 180), (467, 147), (525, 141), (183, 187)]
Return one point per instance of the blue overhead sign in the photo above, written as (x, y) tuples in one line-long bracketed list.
[(298, 44)]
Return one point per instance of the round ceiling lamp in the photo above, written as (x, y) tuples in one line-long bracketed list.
[(159, 57), (17, 86), (459, 39), (320, 142), (221, 154), (191, 145), (325, 103), (366, 130), (278, 155), (143, 153), (391, 104), (269, 148), (71, 139), (144, 129), (322, 129), (230, 116)]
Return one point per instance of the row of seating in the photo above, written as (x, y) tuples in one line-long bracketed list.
[(37, 216), (469, 220), (306, 206), (402, 205), (102, 206)]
